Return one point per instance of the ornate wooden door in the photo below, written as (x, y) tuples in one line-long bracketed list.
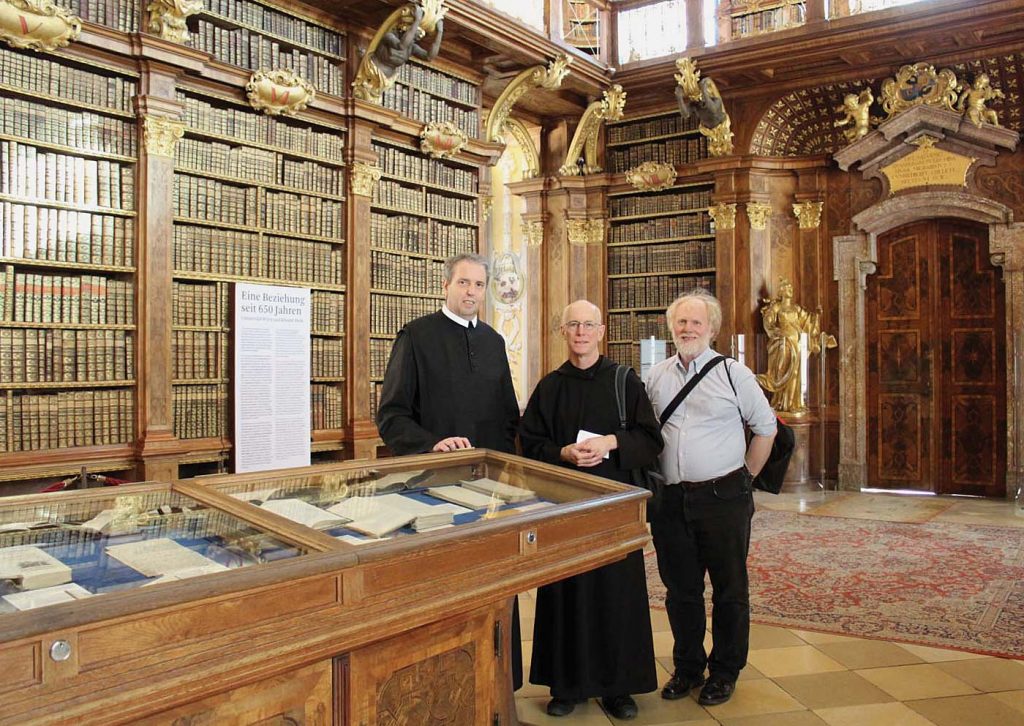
[(936, 385)]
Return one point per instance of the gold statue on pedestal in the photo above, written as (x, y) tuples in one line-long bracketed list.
[(975, 97), (857, 110), (784, 321)]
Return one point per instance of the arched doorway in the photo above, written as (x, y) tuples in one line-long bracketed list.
[(935, 325)]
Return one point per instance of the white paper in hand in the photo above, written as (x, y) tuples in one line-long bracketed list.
[(583, 435)]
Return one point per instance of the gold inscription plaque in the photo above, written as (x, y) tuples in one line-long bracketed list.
[(928, 166)]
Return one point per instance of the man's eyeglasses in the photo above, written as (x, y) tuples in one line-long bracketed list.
[(587, 325)]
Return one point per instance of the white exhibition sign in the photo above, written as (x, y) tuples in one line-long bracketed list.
[(272, 390)]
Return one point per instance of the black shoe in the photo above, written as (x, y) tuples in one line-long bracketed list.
[(623, 707), (679, 686), (560, 706), (718, 690)]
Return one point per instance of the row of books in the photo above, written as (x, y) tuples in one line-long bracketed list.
[(82, 130), (411, 165), (46, 176), (404, 274), (657, 203), (199, 354), (293, 259), (675, 257), (72, 299), (120, 15), (242, 48), (375, 391), (423, 236), (199, 304), (58, 80), (673, 151), (765, 21), (328, 312), (215, 201), (419, 105), (279, 22), (327, 357), (654, 292), (392, 194), (259, 166), (637, 326), (380, 352), (68, 418), (64, 235), (327, 403), (440, 83), (464, 210), (685, 225), (627, 354), (244, 254), (298, 213), (294, 137), (200, 411), (389, 313), (65, 356), (645, 128)]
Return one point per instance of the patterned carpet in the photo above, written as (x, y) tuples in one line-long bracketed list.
[(941, 584)]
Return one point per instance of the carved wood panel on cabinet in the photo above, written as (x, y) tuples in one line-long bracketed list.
[(936, 362)]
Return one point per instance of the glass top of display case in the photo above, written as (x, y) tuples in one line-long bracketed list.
[(364, 504), (58, 548)]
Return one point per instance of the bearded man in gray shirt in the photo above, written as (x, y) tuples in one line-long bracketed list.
[(701, 520)]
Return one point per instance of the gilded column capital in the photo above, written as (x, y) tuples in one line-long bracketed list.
[(365, 178), (167, 18), (809, 214), (759, 213), (585, 231), (161, 135), (724, 215), (535, 233)]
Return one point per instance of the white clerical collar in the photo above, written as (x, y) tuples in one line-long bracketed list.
[(455, 318)]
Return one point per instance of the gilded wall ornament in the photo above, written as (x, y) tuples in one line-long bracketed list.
[(365, 178), (442, 139), (534, 233), (809, 214), (699, 98), (918, 85), (161, 135), (724, 215), (856, 110), (973, 99), (584, 141), (394, 43), (167, 18), (37, 24), (279, 92), (486, 207), (758, 213), (585, 231), (532, 78), (652, 176)]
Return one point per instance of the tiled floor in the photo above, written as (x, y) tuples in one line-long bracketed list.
[(800, 678)]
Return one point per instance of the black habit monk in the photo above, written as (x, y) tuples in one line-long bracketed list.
[(592, 632), (448, 385)]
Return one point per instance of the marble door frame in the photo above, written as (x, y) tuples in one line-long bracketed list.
[(856, 257)]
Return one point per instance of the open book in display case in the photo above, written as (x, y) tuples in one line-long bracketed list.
[(207, 598)]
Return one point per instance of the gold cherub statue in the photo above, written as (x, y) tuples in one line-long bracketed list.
[(857, 110), (975, 97), (784, 321)]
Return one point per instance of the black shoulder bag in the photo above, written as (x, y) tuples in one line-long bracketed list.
[(649, 477)]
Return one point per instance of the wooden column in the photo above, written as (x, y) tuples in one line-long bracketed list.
[(695, 24), (535, 219), (361, 430), (159, 129)]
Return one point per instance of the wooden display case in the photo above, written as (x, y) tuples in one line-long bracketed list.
[(315, 629)]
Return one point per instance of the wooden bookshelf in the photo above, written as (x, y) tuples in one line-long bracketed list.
[(68, 152), (252, 205), (426, 94), (122, 15), (424, 211), (747, 19), (664, 137)]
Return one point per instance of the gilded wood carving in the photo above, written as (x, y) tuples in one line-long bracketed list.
[(699, 97), (652, 176), (919, 84), (279, 92), (584, 141), (442, 139), (809, 214), (724, 215), (167, 18), (549, 78), (161, 135), (37, 24), (365, 178), (758, 213)]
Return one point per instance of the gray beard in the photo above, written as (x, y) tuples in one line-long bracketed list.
[(692, 349)]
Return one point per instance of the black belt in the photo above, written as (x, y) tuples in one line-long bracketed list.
[(708, 482)]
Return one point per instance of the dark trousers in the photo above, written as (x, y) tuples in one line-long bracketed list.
[(698, 530)]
